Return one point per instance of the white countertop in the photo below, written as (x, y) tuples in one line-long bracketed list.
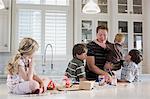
[(139, 90)]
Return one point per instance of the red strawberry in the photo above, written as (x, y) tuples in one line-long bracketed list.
[(51, 85)]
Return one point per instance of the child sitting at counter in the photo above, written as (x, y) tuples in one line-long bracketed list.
[(21, 78), (130, 70), (76, 68)]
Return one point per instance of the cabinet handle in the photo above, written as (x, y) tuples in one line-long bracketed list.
[(5, 45)]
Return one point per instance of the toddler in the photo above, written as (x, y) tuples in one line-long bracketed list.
[(114, 55)]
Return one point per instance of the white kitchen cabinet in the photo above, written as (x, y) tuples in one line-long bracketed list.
[(85, 24), (130, 6), (5, 27), (129, 21), (133, 30)]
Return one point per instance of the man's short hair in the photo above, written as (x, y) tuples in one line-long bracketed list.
[(101, 27)]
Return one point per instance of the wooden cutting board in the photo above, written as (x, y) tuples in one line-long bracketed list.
[(72, 88)]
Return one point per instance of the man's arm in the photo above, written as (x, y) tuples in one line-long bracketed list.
[(92, 67)]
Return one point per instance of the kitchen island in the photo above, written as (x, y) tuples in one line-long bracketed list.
[(138, 90)]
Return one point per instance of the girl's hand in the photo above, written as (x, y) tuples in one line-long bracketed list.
[(30, 63), (42, 86)]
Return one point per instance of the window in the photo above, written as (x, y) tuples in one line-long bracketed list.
[(48, 2), (29, 25), (55, 31), (44, 20)]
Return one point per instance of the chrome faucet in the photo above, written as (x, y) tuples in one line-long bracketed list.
[(44, 56)]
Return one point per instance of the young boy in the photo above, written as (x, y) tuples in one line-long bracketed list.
[(114, 55), (130, 70), (76, 67)]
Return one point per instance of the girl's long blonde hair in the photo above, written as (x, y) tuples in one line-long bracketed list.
[(27, 46)]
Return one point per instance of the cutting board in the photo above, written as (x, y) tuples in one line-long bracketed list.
[(72, 88)]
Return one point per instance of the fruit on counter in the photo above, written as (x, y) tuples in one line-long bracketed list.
[(67, 82), (51, 85)]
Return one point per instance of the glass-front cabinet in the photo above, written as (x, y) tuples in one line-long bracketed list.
[(122, 6), (123, 28), (137, 6), (89, 22), (129, 6), (104, 23), (133, 31), (130, 22), (103, 4), (138, 35), (86, 30)]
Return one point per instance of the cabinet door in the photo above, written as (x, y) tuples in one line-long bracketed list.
[(133, 31), (86, 30), (104, 23), (123, 28), (129, 6), (4, 36), (103, 4), (122, 6), (138, 35), (137, 6), (5, 28)]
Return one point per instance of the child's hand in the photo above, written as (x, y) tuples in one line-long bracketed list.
[(42, 86), (108, 78), (30, 63), (108, 65)]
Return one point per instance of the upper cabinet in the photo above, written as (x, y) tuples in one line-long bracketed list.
[(5, 27), (129, 21), (132, 8), (85, 24)]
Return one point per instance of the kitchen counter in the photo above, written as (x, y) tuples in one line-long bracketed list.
[(138, 90)]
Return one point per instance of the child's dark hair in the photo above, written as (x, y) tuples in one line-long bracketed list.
[(135, 56), (78, 49), (101, 27)]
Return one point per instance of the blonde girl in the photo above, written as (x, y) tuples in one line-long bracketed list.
[(21, 78)]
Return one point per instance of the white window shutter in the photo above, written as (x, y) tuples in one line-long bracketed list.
[(53, 31)]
